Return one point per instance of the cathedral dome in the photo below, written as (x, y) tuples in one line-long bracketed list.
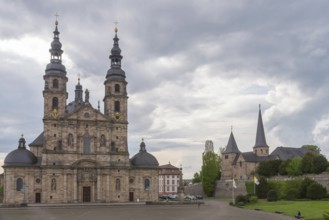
[(144, 159), (20, 156)]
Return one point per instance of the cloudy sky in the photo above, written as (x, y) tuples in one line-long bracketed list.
[(194, 69)]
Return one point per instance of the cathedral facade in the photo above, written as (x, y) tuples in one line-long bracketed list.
[(82, 154)]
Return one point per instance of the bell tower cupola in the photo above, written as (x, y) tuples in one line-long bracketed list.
[(54, 92), (115, 100)]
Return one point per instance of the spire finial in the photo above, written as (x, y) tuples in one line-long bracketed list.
[(142, 139), (22, 135), (116, 26), (231, 128), (260, 107), (56, 15), (78, 78), (99, 108)]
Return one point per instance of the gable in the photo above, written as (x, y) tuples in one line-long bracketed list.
[(88, 113)]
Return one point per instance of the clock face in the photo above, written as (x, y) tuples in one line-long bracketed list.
[(117, 116), (54, 113)]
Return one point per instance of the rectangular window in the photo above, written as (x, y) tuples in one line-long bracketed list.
[(86, 145), (167, 188), (173, 181), (167, 181), (173, 189), (173, 176)]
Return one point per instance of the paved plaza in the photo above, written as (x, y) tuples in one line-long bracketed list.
[(211, 210)]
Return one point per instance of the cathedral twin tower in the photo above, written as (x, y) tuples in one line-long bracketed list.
[(82, 154)]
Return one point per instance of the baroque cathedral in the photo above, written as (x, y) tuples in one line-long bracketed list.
[(82, 154)]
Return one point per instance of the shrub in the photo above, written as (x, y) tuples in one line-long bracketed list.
[(250, 187), (278, 186), (291, 189), (292, 194), (303, 187), (262, 188), (316, 191), (253, 199), (272, 196), (241, 200)]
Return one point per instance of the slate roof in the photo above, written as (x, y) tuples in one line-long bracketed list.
[(260, 133), (169, 169), (143, 159), (231, 147), (21, 156), (285, 153), (38, 141)]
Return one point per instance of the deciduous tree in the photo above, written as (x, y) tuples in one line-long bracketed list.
[(210, 172)]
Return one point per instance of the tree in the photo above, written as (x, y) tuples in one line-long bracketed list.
[(294, 167), (210, 172), (283, 167), (313, 148), (320, 164), (307, 162), (268, 168), (196, 178)]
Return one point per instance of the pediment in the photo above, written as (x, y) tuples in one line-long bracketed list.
[(87, 112)]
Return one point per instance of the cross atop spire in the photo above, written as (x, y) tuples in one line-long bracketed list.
[(56, 15), (116, 26)]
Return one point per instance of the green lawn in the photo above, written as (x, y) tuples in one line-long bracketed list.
[(309, 209)]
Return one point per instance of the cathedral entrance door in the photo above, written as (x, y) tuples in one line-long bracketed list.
[(86, 194), (131, 196), (37, 197)]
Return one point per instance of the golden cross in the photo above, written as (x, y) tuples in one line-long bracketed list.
[(116, 26)]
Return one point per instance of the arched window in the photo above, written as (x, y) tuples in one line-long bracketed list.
[(55, 83), (117, 106), (117, 184), (146, 184), (70, 140), (116, 88), (55, 103), (19, 184), (103, 140), (53, 184)]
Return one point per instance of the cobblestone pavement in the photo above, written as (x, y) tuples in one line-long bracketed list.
[(211, 210)]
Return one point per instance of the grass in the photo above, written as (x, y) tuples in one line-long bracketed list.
[(309, 209)]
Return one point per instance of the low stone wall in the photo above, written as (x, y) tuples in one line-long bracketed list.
[(193, 189), (224, 187)]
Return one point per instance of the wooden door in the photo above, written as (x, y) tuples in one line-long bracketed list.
[(131, 196), (86, 194), (37, 197)]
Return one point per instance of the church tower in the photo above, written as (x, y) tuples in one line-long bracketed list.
[(54, 92), (115, 99), (260, 148), (229, 155)]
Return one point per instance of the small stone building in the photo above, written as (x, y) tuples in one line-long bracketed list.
[(82, 153)]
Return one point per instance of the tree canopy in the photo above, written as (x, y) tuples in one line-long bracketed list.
[(210, 172)]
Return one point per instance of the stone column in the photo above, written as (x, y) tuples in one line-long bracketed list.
[(99, 195), (75, 190), (65, 187)]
